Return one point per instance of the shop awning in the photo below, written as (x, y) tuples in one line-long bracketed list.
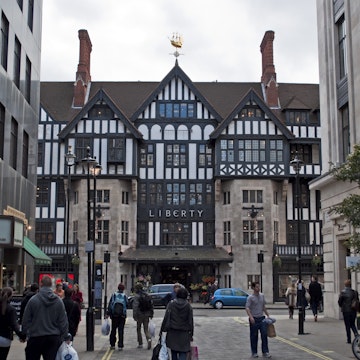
[(196, 254), (39, 256)]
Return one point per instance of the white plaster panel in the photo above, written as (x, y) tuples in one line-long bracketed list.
[(272, 129), (239, 127), (176, 173), (255, 130), (146, 113), (105, 126), (231, 128), (97, 125), (209, 173), (186, 92), (151, 173), (303, 130), (207, 131), (142, 173), (173, 87), (195, 132), (194, 233), (199, 110), (40, 132), (47, 159), (180, 94), (155, 132), (48, 133), (54, 158), (183, 173), (144, 131), (182, 133), (157, 233), (45, 213), (43, 115), (263, 127), (201, 173), (169, 132), (201, 233), (153, 110), (59, 232), (103, 159), (129, 157), (168, 173), (159, 161), (192, 161), (151, 233), (247, 127), (112, 126), (311, 132), (80, 127), (89, 126), (60, 212), (121, 127), (52, 199)]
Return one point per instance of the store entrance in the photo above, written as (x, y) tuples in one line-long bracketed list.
[(171, 274)]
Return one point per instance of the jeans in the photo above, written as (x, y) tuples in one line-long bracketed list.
[(314, 307), (254, 334), (349, 320), (117, 323), (178, 355)]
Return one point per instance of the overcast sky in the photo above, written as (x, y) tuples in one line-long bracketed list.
[(130, 39)]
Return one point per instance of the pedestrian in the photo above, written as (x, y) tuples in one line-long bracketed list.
[(33, 289), (315, 293), (178, 324), (44, 323), (176, 287), (301, 301), (117, 312), (77, 295), (72, 311), (8, 323), (143, 311), (213, 288), (59, 291), (291, 299), (256, 308), (346, 298), (208, 292)]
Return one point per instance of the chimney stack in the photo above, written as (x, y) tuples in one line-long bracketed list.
[(268, 77), (83, 77)]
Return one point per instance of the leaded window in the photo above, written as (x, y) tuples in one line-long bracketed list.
[(116, 149), (176, 155), (196, 194), (253, 232), (276, 151), (227, 150), (4, 40), (42, 192), (177, 110), (147, 155), (205, 156), (252, 150), (176, 233), (176, 194), (252, 196), (227, 232), (124, 233)]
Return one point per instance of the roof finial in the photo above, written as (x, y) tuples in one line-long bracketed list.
[(177, 41)]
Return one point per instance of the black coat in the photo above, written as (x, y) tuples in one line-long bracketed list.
[(73, 313), (315, 292), (181, 330), (8, 324), (346, 297)]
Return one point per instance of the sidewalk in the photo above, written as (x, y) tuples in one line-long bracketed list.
[(224, 337)]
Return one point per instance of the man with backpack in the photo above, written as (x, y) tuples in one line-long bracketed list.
[(117, 313), (143, 311)]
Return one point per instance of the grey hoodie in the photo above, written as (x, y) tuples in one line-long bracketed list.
[(45, 315)]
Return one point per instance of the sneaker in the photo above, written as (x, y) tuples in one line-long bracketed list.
[(112, 347), (149, 344), (140, 346), (315, 318), (255, 355), (266, 355)]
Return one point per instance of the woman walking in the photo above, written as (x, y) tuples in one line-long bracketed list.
[(291, 299), (179, 325), (8, 323)]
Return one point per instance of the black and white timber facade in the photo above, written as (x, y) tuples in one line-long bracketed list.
[(195, 176)]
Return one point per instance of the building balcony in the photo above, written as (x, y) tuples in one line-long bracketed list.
[(291, 251)]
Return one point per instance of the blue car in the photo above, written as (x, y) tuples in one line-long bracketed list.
[(228, 297)]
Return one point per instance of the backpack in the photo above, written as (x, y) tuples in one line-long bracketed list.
[(118, 306), (145, 302)]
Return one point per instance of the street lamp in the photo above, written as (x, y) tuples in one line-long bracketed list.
[(106, 261), (88, 163), (297, 164), (70, 161)]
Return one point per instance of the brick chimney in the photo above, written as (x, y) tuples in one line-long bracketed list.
[(83, 76), (268, 77)]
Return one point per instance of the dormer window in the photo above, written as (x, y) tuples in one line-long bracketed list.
[(180, 110), (101, 112)]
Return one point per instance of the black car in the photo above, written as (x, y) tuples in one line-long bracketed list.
[(160, 294)]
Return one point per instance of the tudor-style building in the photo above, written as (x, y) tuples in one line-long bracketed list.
[(195, 176)]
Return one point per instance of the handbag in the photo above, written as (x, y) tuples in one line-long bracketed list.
[(355, 305), (194, 352), (271, 332), (287, 300), (156, 350)]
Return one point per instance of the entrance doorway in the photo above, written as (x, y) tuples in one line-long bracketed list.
[(171, 274)]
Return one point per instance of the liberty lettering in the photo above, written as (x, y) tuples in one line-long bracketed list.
[(167, 213)]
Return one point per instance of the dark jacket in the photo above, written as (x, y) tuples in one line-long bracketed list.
[(346, 296), (181, 330), (315, 292), (301, 298), (137, 313), (25, 300), (8, 324), (73, 313), (45, 315)]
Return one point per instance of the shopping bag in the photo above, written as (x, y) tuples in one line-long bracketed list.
[(271, 330), (105, 327), (66, 352), (164, 354), (156, 351), (194, 352), (152, 328)]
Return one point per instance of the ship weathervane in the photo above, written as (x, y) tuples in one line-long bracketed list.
[(176, 41)]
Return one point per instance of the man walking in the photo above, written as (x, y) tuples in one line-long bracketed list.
[(315, 293), (34, 288), (117, 312), (255, 308), (143, 310), (44, 323)]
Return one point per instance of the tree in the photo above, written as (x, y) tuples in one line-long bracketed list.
[(350, 206)]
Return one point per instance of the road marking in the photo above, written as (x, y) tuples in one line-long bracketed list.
[(289, 342), (107, 355)]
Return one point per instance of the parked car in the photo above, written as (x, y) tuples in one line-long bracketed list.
[(228, 297), (160, 293)]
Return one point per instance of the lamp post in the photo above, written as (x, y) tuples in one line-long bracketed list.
[(297, 164), (261, 260), (70, 161), (106, 261), (88, 163)]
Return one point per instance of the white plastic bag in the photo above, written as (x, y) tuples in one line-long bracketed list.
[(164, 355), (152, 328), (105, 327), (66, 352)]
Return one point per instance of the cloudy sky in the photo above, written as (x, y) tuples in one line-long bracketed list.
[(130, 39)]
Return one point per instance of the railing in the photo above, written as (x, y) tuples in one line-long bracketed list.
[(58, 249), (292, 250)]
